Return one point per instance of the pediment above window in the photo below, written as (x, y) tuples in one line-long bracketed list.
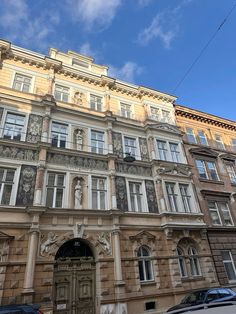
[(203, 152), (4, 236), (228, 157), (164, 127), (174, 169), (215, 194), (143, 238)]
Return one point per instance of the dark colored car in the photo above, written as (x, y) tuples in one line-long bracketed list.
[(205, 296), (20, 309)]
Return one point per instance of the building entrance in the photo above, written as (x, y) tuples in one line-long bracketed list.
[(74, 279)]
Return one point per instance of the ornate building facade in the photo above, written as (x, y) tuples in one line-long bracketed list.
[(99, 212), (210, 146)]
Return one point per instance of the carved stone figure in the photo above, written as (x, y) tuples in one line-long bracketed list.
[(78, 195), (143, 148), (45, 246), (117, 144), (121, 194), (78, 98), (104, 241), (79, 139)]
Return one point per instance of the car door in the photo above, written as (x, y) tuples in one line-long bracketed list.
[(212, 295)]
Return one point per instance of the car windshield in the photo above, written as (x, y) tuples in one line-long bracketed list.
[(194, 297)]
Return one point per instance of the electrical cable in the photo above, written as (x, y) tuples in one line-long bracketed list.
[(204, 48)]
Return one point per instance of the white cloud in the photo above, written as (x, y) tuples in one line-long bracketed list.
[(127, 72), (93, 14), (164, 26), (17, 22), (144, 3), (86, 50)]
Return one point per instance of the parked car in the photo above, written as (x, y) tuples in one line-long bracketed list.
[(20, 309), (227, 307), (205, 296)]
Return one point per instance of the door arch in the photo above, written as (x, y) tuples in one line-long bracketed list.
[(74, 278)]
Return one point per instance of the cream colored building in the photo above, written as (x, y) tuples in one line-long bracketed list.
[(83, 229)]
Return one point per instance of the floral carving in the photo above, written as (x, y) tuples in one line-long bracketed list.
[(34, 128), (18, 153), (133, 169), (143, 148), (117, 144), (121, 194), (26, 186)]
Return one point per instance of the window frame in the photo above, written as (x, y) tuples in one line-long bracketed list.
[(232, 264), (26, 76), (168, 152), (97, 142), (143, 261), (60, 134), (220, 212), (219, 142), (55, 187), (137, 154), (24, 126), (231, 172), (14, 184), (181, 262), (62, 93), (155, 117), (95, 102), (204, 137), (106, 191), (125, 110), (194, 262), (207, 169), (233, 144), (189, 134)]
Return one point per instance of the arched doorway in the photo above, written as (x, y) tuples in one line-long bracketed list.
[(74, 278)]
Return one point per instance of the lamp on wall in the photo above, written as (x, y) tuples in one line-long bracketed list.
[(129, 158)]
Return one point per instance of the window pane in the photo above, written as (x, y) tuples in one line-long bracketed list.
[(212, 171), (148, 270), (141, 270), (94, 200), (49, 199), (59, 197), (230, 271), (6, 194), (190, 135)]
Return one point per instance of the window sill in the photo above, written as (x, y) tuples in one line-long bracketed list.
[(211, 181), (148, 283), (195, 278)]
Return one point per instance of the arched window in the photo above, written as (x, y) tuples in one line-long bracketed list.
[(194, 262), (182, 264), (145, 264)]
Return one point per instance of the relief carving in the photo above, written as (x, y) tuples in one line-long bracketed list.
[(45, 246), (117, 144), (50, 246), (34, 129), (151, 196), (79, 139), (143, 148), (18, 153), (174, 169), (121, 194), (76, 161), (104, 242), (133, 169), (25, 195), (79, 98)]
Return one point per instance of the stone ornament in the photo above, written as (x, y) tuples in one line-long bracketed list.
[(143, 238), (34, 129), (79, 139), (133, 169), (50, 246), (77, 161), (117, 144), (78, 195), (151, 196), (143, 148), (121, 194), (104, 241), (18, 153), (25, 195), (174, 169), (79, 98)]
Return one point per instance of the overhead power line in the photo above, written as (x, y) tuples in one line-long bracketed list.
[(204, 48)]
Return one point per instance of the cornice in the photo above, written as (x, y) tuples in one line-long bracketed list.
[(192, 114)]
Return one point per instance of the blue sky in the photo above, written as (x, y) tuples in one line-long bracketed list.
[(146, 42)]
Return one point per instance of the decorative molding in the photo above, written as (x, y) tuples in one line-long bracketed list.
[(50, 246), (76, 161), (134, 169), (121, 194), (228, 157), (165, 168), (18, 153), (151, 196), (104, 243), (164, 127), (34, 129), (25, 193), (117, 144), (143, 148), (143, 238), (204, 152)]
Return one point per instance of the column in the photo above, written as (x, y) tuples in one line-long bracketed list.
[(28, 289), (39, 185), (45, 128)]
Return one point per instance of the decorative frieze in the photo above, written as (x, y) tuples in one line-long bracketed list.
[(34, 129), (18, 153), (25, 194), (174, 169), (121, 194), (77, 161), (151, 196), (134, 169), (117, 144)]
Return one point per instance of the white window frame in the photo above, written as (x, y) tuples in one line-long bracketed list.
[(65, 184), (130, 111), (163, 151), (181, 259), (233, 144), (104, 142), (98, 176), (169, 155), (96, 103), (137, 150), (165, 119), (231, 261), (193, 257), (24, 75), (155, 117), (143, 259), (16, 168), (191, 134), (207, 170), (219, 142), (144, 196), (231, 172), (178, 159), (216, 210), (61, 93), (204, 137), (58, 139), (24, 129)]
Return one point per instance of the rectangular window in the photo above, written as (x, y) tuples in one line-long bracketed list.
[(174, 150), (231, 173), (96, 102), (22, 83), (97, 142), (59, 134), (172, 197), (162, 150), (214, 212), (136, 196), (186, 197), (226, 216), (130, 146), (202, 138), (55, 189), (234, 144), (229, 265), (6, 184), (166, 116), (62, 93), (99, 192), (207, 170), (191, 136), (126, 110), (219, 142), (155, 114), (14, 125)]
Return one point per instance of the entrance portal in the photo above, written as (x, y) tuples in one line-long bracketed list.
[(74, 279)]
